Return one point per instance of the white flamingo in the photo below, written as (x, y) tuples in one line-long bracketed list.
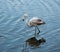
[(34, 22)]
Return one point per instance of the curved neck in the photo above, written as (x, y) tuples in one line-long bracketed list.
[(26, 20)]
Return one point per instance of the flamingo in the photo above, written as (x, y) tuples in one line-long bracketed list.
[(33, 22)]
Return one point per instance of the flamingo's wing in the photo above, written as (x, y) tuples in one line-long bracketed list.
[(35, 19)]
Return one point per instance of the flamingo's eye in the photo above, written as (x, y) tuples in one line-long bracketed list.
[(39, 20)]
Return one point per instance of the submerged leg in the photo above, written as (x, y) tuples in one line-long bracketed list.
[(24, 47)]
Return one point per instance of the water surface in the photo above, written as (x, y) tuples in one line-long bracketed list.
[(13, 31)]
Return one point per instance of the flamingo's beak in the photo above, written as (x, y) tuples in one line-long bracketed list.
[(22, 19), (43, 22)]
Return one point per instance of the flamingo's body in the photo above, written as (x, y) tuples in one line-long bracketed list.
[(35, 21)]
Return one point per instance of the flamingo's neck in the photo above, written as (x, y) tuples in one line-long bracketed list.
[(27, 22)]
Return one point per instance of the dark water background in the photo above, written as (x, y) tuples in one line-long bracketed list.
[(13, 31)]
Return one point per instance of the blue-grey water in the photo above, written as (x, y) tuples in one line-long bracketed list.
[(13, 31)]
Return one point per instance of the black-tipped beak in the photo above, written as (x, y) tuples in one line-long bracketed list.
[(44, 23), (22, 19)]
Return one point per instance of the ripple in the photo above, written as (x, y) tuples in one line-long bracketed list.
[(2, 39), (50, 33), (46, 5)]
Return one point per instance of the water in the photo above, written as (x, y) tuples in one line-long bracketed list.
[(13, 31)]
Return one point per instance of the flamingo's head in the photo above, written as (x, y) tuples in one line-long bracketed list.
[(25, 16)]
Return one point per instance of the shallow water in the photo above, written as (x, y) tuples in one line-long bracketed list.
[(13, 31)]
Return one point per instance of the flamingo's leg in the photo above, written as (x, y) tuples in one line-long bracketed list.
[(35, 32), (38, 30)]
